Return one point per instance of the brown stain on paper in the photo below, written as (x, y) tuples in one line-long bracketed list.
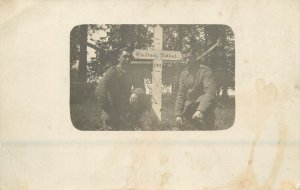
[(9, 5), (140, 154), (164, 179), (7, 9), (287, 185), (267, 101), (164, 160)]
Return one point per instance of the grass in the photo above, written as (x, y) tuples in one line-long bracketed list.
[(87, 116)]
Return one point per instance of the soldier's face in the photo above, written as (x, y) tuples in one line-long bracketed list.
[(190, 61), (125, 58)]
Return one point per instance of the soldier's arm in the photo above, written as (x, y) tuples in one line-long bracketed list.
[(103, 89), (138, 90), (137, 84), (180, 98), (209, 88)]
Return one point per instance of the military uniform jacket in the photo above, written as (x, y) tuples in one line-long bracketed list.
[(196, 86), (114, 90)]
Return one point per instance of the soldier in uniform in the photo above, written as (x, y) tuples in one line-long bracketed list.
[(118, 96), (195, 101)]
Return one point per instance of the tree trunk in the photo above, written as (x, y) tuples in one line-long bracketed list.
[(82, 75)]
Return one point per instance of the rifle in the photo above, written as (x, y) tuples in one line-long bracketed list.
[(208, 51)]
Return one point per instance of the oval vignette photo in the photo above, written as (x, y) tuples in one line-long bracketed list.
[(152, 77)]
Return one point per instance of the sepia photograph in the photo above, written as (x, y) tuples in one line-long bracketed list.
[(152, 77)]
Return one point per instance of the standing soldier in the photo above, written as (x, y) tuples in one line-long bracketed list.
[(195, 101)]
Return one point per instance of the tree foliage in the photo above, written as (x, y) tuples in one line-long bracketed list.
[(106, 40)]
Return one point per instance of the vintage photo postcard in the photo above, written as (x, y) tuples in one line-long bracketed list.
[(152, 77), (147, 95)]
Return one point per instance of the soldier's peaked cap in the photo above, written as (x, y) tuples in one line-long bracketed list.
[(128, 49)]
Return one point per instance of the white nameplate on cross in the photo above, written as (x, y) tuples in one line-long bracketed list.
[(157, 55), (150, 54)]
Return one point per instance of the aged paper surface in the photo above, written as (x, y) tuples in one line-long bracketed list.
[(40, 149)]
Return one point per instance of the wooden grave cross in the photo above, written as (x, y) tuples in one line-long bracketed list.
[(157, 55)]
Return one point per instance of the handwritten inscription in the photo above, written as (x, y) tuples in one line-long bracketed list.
[(159, 55)]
